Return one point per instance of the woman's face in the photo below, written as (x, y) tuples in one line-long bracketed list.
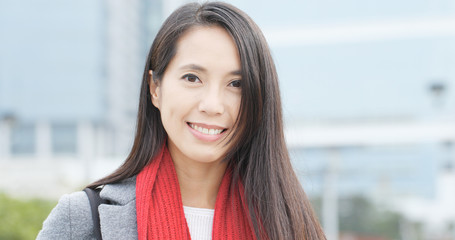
[(199, 95)]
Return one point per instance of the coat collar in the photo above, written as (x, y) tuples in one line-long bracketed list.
[(118, 217), (120, 193)]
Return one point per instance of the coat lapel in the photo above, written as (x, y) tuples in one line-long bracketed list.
[(118, 217)]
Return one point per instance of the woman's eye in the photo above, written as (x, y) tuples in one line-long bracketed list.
[(191, 78), (235, 83)]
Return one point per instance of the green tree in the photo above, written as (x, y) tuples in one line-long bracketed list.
[(358, 215), (22, 219)]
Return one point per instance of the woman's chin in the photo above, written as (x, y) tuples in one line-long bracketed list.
[(207, 158)]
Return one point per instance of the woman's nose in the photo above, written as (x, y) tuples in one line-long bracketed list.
[(212, 101)]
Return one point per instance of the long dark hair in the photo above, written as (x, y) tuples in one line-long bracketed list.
[(277, 204)]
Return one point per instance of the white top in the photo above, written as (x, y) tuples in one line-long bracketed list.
[(200, 222)]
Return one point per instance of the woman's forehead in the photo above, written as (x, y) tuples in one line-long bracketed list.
[(204, 47)]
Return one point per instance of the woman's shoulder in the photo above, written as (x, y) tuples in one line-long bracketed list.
[(72, 212), (72, 217)]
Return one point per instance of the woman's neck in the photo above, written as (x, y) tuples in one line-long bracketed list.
[(199, 182)]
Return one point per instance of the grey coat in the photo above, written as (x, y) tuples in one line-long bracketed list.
[(72, 218)]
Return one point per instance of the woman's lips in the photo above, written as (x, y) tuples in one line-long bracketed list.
[(206, 132)]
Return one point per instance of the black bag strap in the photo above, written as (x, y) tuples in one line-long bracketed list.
[(95, 200)]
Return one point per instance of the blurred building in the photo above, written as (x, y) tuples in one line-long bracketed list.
[(369, 102), (69, 81)]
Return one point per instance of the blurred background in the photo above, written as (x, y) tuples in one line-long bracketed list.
[(368, 97)]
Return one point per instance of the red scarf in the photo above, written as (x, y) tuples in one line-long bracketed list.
[(160, 211)]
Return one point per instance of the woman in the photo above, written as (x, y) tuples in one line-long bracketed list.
[(209, 160)]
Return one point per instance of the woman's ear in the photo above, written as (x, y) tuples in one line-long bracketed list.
[(154, 91)]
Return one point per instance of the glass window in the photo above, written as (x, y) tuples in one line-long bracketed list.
[(23, 137), (64, 138)]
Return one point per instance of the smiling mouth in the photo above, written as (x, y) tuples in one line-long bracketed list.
[(208, 131)]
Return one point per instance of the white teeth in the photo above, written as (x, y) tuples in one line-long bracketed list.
[(206, 130)]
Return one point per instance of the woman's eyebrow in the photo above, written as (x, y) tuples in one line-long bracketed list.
[(236, 72), (194, 67), (198, 68)]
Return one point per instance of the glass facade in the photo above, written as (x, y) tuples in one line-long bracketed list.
[(64, 138), (23, 139)]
